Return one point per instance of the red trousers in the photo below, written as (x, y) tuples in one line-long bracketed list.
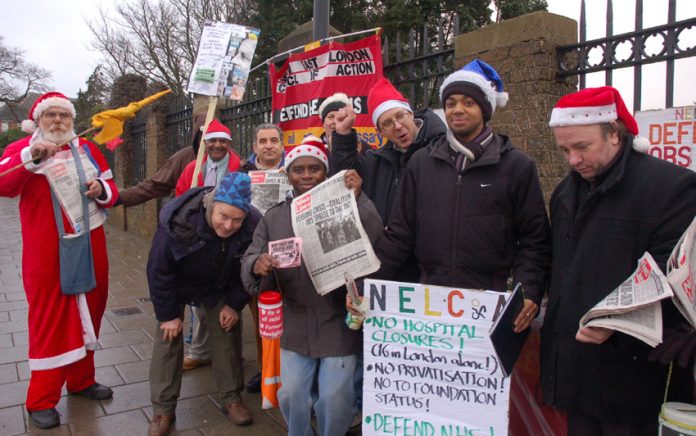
[(45, 386)]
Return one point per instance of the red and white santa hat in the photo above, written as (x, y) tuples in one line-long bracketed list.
[(217, 130), (596, 106), (47, 100), (311, 146), (382, 97)]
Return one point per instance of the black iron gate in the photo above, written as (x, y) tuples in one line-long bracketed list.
[(629, 50)]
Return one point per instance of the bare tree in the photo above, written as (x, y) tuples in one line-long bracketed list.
[(18, 77), (158, 39)]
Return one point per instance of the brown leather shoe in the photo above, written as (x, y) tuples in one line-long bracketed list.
[(238, 413), (160, 425), (191, 363)]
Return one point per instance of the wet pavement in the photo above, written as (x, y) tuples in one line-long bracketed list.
[(123, 357)]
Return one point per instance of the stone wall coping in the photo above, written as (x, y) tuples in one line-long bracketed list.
[(557, 29)]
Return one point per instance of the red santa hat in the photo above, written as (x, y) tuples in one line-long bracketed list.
[(596, 106), (382, 97), (311, 146), (47, 100), (217, 130)]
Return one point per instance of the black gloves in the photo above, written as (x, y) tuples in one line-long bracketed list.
[(678, 345)]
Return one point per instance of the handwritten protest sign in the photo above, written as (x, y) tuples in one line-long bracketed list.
[(430, 368)]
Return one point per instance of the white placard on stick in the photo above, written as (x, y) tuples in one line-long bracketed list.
[(223, 60)]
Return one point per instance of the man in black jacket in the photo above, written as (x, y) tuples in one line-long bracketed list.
[(470, 205), (195, 258), (615, 205)]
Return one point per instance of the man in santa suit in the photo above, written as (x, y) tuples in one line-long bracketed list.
[(64, 260)]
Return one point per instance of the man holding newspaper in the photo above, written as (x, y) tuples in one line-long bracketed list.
[(318, 351), (615, 205)]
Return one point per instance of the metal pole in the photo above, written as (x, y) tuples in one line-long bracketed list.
[(609, 50), (637, 56), (320, 20), (671, 45), (583, 38)]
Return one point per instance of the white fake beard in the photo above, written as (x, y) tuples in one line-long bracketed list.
[(58, 138)]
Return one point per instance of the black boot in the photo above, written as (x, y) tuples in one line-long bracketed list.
[(253, 386), (48, 418), (96, 392)]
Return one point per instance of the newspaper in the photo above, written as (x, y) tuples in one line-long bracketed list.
[(680, 274), (634, 307), (268, 188), (334, 240), (61, 173)]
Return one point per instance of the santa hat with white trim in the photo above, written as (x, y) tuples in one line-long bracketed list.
[(217, 130), (479, 81), (311, 146), (47, 100), (596, 106), (382, 97), (333, 103)]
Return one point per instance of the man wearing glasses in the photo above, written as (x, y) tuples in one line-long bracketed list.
[(406, 132)]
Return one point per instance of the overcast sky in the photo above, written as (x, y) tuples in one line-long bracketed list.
[(54, 35)]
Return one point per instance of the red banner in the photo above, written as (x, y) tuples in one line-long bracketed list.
[(306, 79)]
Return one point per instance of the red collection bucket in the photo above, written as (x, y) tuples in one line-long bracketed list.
[(270, 314)]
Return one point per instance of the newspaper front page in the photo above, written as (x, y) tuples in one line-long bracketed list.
[(334, 240), (680, 274), (268, 188), (61, 173), (634, 307)]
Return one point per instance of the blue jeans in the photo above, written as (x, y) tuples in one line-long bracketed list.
[(335, 394)]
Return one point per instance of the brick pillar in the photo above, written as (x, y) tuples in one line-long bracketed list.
[(523, 51), (126, 89), (142, 219)]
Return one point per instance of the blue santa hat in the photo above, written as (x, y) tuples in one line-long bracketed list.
[(235, 190), (479, 81)]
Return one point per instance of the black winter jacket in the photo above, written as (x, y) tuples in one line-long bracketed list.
[(473, 228), (381, 169), (189, 263), (641, 204)]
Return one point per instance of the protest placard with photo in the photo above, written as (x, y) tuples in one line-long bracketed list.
[(224, 57), (430, 367), (334, 240)]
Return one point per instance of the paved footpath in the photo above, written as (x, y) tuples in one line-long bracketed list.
[(123, 357)]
